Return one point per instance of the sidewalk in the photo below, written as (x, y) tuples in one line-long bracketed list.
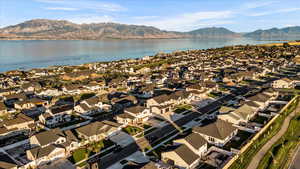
[(259, 155)]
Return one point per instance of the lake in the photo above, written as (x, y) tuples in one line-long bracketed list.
[(38, 54)]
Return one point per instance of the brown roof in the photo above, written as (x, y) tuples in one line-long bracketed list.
[(95, 128), (161, 98), (186, 154), (219, 129), (59, 109), (20, 118), (195, 140), (135, 109), (48, 137), (259, 97), (39, 152), (92, 101), (126, 116)]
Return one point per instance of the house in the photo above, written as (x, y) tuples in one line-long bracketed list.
[(31, 86), (181, 157), (283, 83), (225, 110), (165, 103), (242, 114), (30, 103), (134, 115), (94, 86), (217, 133), (126, 101), (195, 87), (15, 126), (97, 131), (49, 92), (20, 122), (91, 106), (147, 91), (194, 142), (73, 89), (43, 155), (153, 165), (261, 99), (51, 145), (56, 114), (11, 99)]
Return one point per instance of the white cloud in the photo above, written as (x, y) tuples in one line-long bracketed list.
[(144, 17), (61, 9), (82, 19), (86, 4), (258, 4), (278, 11), (189, 21)]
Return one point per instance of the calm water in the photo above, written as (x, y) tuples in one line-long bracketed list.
[(37, 54)]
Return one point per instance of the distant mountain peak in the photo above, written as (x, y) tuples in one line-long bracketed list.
[(66, 30), (276, 33)]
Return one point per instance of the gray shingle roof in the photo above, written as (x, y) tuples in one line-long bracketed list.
[(219, 129), (195, 140), (186, 154)]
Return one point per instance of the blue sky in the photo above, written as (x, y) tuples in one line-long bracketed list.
[(174, 15)]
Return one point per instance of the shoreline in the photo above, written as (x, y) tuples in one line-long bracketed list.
[(87, 63)]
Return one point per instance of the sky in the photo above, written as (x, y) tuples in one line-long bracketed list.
[(172, 15)]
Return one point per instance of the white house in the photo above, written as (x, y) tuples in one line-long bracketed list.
[(217, 133), (134, 115)]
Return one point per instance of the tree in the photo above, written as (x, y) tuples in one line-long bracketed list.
[(286, 45)]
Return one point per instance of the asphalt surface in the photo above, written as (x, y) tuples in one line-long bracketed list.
[(106, 161), (295, 164), (265, 149)]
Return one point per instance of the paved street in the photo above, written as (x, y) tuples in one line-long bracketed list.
[(110, 159), (295, 164), (258, 157)]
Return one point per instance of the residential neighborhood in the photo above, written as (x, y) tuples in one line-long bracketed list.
[(185, 109)]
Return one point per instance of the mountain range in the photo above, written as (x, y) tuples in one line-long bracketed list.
[(65, 30)]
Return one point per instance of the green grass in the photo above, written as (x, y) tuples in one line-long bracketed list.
[(131, 130), (245, 158), (278, 155), (80, 154), (182, 108)]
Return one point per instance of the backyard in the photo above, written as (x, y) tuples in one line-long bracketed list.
[(245, 158), (182, 108), (90, 149), (242, 136), (132, 130)]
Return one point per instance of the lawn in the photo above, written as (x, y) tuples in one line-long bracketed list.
[(131, 130), (182, 108), (80, 154), (245, 158)]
